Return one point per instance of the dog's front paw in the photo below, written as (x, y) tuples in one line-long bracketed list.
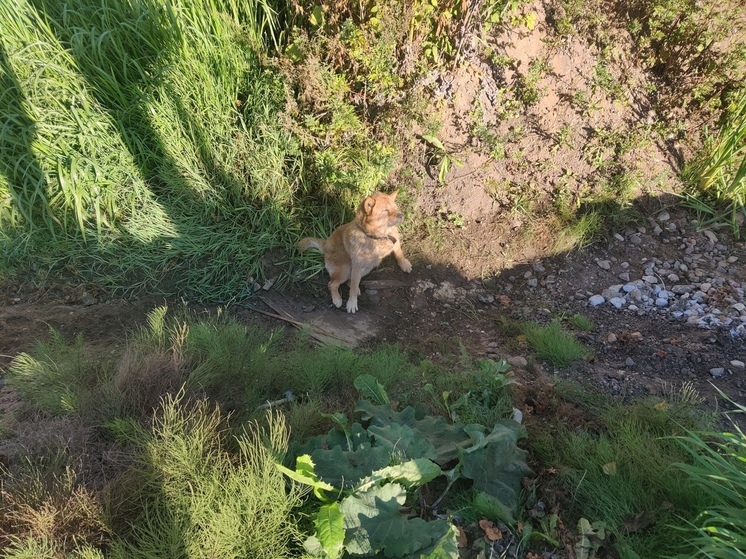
[(337, 301), (405, 265), (352, 306)]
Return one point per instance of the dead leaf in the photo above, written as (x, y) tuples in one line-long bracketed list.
[(609, 469), (491, 532), (638, 522), (461, 538), (661, 406)]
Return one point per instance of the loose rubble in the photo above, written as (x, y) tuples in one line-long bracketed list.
[(698, 288)]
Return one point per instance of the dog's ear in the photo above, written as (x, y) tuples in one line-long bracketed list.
[(393, 194), (368, 204)]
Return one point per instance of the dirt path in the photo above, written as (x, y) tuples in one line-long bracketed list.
[(442, 305)]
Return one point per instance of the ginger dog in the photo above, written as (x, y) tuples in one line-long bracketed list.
[(355, 248)]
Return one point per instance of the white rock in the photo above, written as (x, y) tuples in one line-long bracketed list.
[(596, 300), (618, 302)]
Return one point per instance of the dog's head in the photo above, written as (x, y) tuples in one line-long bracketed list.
[(378, 212)]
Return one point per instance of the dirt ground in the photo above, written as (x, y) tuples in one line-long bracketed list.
[(443, 305)]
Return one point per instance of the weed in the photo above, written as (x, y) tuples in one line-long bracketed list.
[(440, 157), (719, 173), (619, 470), (553, 344), (582, 322), (717, 466), (528, 91)]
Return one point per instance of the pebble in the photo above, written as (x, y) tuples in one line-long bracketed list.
[(700, 288), (629, 362), (736, 364), (717, 372), (604, 264), (517, 361)]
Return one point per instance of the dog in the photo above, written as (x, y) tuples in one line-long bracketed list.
[(355, 248)]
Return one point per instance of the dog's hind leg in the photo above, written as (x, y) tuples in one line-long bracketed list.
[(338, 275)]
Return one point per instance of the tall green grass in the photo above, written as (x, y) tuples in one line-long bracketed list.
[(620, 470), (141, 144), (719, 173)]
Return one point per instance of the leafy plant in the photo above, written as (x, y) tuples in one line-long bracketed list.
[(365, 472), (441, 157)]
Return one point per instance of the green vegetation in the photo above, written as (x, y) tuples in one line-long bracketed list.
[(183, 148), (719, 176), (197, 458), (184, 408), (631, 475), (553, 344)]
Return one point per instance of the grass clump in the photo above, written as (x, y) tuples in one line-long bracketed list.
[(201, 494), (718, 176), (553, 344), (718, 465), (618, 469)]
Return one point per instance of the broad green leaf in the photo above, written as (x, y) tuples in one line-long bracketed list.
[(374, 524), (410, 474), (445, 548), (304, 473), (330, 530), (345, 468), (496, 464), (402, 440), (445, 438), (589, 539), (371, 389), (433, 141)]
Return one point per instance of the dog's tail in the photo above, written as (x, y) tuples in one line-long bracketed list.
[(311, 242)]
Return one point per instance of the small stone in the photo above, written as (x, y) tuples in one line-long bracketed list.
[(664, 216), (596, 300), (635, 239), (618, 237), (624, 265), (717, 372), (732, 259), (611, 338), (533, 282), (712, 237), (87, 299), (268, 284), (517, 361), (739, 307), (604, 264), (629, 362), (650, 279), (539, 268), (633, 308), (673, 277), (624, 276), (736, 364), (486, 299), (618, 302)]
